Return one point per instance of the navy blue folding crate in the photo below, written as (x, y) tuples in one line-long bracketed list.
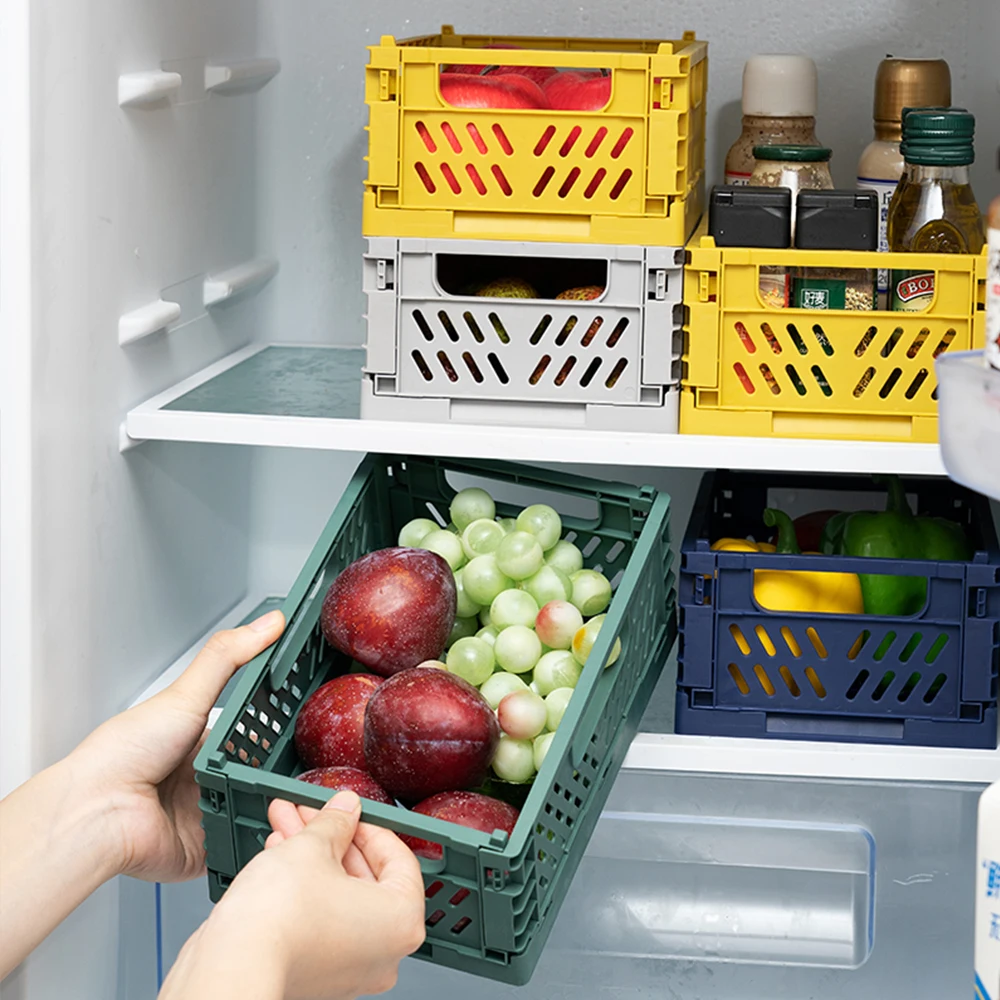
[(929, 679)]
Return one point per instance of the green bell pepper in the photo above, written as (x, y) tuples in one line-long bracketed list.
[(895, 534)]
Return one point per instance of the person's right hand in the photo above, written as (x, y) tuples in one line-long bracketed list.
[(328, 911)]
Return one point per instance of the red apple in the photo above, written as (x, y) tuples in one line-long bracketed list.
[(329, 729), (466, 91), (537, 74), (428, 731), (572, 91), (522, 83), (477, 812), (348, 779), (475, 70), (392, 609)]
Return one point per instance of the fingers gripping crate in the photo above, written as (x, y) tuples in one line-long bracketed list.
[(631, 172), (753, 369), (927, 679), (491, 901), (436, 352)]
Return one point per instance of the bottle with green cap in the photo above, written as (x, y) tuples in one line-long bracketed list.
[(934, 209)]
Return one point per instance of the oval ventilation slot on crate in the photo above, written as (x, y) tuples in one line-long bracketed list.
[(595, 145), (543, 142), (824, 341), (616, 191), (745, 339), (501, 179), (595, 182), (857, 684), (535, 377), (797, 382), (741, 374), (945, 343), (791, 642), (918, 380), (890, 345), (470, 363), (790, 682), (935, 689), (568, 366), (865, 342), (570, 141), (815, 682), (864, 382), (422, 366), (740, 639), (425, 177), (772, 340), (449, 368), (449, 134), (477, 182), (918, 342), (567, 185), (623, 141), (765, 640), (616, 372), (451, 179), (499, 328), (616, 334), (470, 322), (503, 140), (739, 679), (800, 344), (770, 380), (764, 680), (426, 137), (449, 327), (498, 368), (543, 324), (476, 137), (588, 375), (543, 181)]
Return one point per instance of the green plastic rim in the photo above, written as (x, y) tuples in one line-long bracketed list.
[(793, 154)]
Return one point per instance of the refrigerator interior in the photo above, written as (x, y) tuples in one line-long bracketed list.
[(114, 564)]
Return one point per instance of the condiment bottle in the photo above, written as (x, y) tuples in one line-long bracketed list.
[(993, 284), (933, 209), (795, 168), (779, 106), (899, 83)]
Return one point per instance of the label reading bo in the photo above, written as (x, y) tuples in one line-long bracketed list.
[(912, 291)]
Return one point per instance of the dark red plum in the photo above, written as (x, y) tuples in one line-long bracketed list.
[(470, 809), (329, 730)]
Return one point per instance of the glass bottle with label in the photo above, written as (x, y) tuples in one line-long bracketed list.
[(779, 107), (899, 83), (934, 209), (795, 168)]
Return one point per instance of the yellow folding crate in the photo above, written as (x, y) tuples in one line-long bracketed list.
[(631, 173), (760, 370)]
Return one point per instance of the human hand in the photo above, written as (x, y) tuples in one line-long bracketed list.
[(327, 912), (140, 763)]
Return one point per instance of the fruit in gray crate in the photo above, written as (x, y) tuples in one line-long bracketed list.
[(585, 293), (329, 729), (469, 809), (348, 779), (392, 609), (429, 731), (508, 288)]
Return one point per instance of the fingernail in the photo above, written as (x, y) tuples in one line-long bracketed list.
[(268, 622), (347, 802)]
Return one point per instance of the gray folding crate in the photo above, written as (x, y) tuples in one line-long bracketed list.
[(434, 353)]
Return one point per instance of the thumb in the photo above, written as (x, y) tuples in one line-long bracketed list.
[(223, 654), (335, 824)]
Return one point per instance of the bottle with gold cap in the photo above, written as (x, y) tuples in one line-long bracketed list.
[(899, 83)]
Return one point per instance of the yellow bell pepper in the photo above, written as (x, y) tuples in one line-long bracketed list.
[(796, 590)]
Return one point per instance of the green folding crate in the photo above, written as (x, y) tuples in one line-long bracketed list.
[(491, 900)]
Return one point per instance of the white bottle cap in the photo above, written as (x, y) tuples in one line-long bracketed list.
[(779, 86)]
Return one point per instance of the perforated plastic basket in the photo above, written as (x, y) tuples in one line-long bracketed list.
[(744, 671), (632, 172), (608, 362), (491, 901), (753, 369)]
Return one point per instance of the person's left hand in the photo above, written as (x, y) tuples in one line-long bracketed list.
[(141, 762)]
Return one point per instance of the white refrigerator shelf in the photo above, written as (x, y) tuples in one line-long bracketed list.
[(309, 397)]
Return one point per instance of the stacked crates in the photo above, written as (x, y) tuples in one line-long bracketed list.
[(460, 197)]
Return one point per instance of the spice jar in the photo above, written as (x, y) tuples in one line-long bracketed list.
[(796, 168), (779, 107)]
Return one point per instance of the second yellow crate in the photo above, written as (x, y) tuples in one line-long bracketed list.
[(631, 173), (751, 369)]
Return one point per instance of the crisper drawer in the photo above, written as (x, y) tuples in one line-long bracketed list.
[(737, 888)]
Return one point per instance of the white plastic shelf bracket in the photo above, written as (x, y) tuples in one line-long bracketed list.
[(237, 77), (125, 441), (147, 320), (249, 276), (137, 90)]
